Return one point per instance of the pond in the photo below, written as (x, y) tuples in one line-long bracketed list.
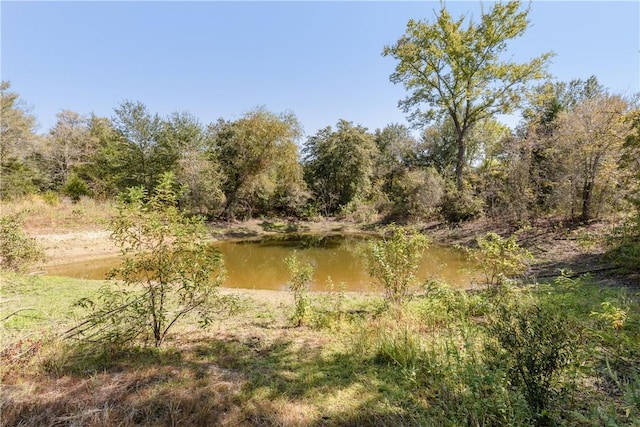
[(259, 263)]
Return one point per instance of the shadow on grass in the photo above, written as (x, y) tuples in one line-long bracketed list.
[(207, 382)]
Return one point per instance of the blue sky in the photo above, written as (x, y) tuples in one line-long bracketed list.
[(321, 60)]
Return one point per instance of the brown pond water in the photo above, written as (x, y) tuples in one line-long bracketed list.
[(259, 264)]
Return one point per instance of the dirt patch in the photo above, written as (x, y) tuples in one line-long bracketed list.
[(76, 246)]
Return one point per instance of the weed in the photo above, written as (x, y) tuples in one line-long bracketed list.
[(535, 343)]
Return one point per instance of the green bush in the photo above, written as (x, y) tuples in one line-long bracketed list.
[(624, 244), (460, 206), (17, 250), (534, 342), (76, 188), (301, 276), (394, 261), (169, 271), (500, 259)]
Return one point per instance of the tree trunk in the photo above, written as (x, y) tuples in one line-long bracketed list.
[(587, 198), (460, 161)]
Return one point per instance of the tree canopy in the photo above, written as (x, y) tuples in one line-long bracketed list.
[(460, 72)]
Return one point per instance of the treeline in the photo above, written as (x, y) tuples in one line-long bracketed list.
[(575, 154)]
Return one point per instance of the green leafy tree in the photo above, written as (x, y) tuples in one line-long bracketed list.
[(169, 271), (460, 73), (397, 153), (197, 169), (252, 152), (20, 175), (339, 165), (144, 151), (105, 169)]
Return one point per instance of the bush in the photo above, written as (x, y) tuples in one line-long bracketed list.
[(535, 342), (417, 194), (301, 276), (394, 261), (17, 250), (169, 271), (460, 206), (500, 258), (76, 188), (624, 243)]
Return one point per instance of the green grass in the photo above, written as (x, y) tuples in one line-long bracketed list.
[(355, 364), (31, 304)]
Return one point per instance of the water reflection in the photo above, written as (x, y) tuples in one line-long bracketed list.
[(259, 263)]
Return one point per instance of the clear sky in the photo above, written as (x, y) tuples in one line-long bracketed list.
[(321, 60)]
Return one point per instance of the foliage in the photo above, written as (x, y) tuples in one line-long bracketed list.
[(535, 343), (393, 262), (338, 166), (18, 141), (591, 136), (68, 147), (459, 72), (169, 270), (624, 243), (76, 188), (417, 194), (624, 240), (500, 259), (460, 206), (301, 277), (258, 155), (17, 250)]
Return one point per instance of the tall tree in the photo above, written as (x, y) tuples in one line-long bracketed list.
[(196, 168), (145, 152), (460, 72), (397, 151), (68, 146), (17, 145), (592, 135), (339, 165), (250, 150), (553, 181)]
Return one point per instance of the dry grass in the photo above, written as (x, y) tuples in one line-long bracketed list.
[(53, 215)]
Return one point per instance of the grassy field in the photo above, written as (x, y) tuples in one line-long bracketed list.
[(564, 353)]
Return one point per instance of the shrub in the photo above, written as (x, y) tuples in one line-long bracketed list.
[(17, 250), (169, 271), (417, 194), (75, 188), (460, 206), (301, 276), (624, 243), (500, 258), (394, 261), (535, 342)]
